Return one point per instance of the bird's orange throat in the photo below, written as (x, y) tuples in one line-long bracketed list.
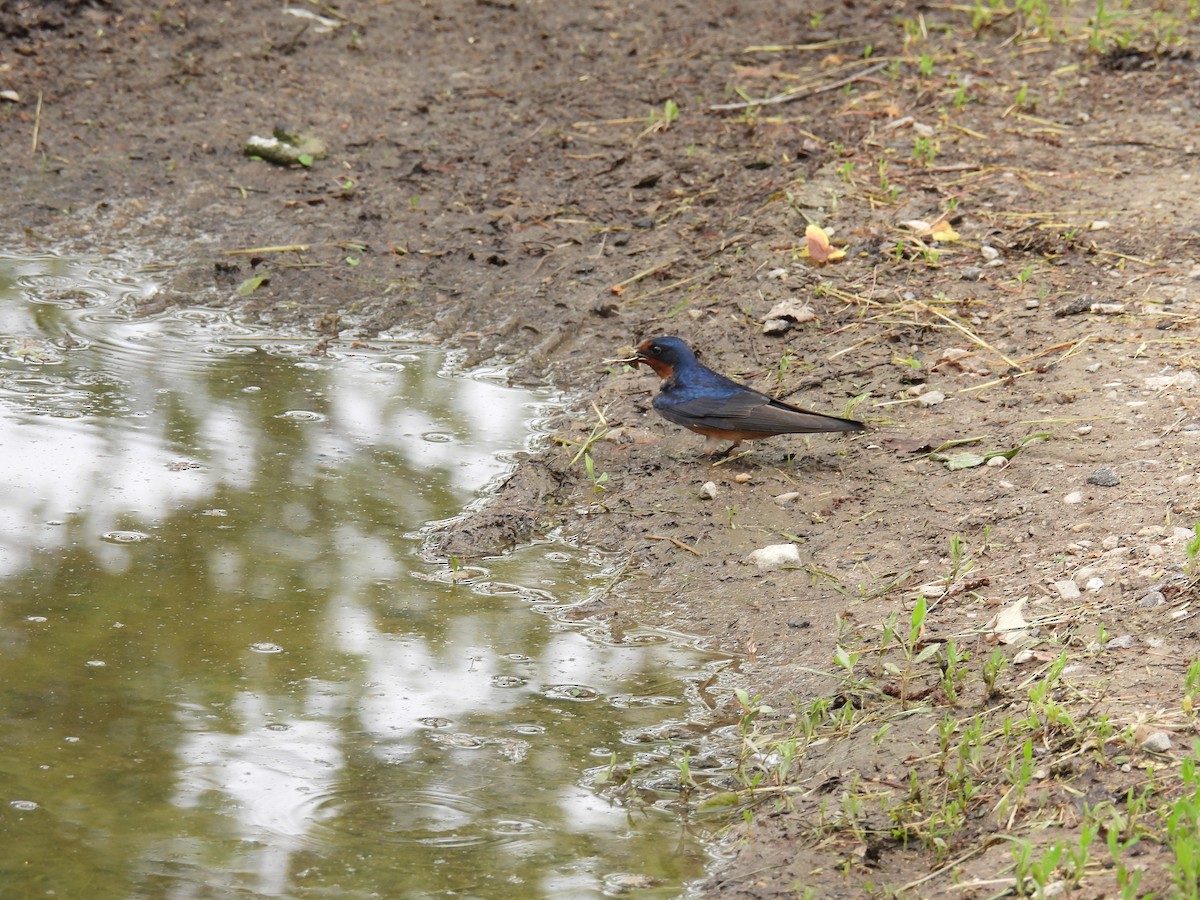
[(661, 369)]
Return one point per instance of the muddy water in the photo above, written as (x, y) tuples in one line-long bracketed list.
[(226, 669)]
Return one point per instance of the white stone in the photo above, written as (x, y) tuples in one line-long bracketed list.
[(708, 490), (1073, 497), (1068, 590), (776, 556)]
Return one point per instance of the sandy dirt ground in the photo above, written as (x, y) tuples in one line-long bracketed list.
[(1013, 191)]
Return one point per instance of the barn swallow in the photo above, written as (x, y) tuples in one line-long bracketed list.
[(696, 397)]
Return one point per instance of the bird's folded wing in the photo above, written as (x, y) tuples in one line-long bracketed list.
[(749, 411)]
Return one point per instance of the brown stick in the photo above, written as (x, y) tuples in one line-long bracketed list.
[(800, 95), (37, 126)]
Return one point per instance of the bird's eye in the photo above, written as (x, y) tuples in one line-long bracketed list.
[(655, 348)]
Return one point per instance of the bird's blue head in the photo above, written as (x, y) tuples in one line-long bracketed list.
[(663, 354)]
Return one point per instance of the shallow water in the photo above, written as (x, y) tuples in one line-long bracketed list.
[(225, 668)]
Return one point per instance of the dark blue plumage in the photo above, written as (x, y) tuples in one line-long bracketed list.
[(708, 403)]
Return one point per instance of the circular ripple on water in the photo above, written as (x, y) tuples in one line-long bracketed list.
[(426, 817), (459, 741), (124, 537), (301, 415), (578, 692), (435, 722), (229, 350), (507, 681)]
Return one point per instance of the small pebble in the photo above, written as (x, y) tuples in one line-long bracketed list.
[(997, 462), (1104, 476), (1095, 584), (742, 477), (989, 252), (1084, 429), (1110, 542), (776, 556), (971, 273), (776, 326), (1073, 497), (1033, 303), (1124, 642), (931, 398), (1068, 590), (1152, 599), (1157, 742), (708, 490), (788, 497)]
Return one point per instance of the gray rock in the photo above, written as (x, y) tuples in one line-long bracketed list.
[(1152, 599), (1157, 742), (1104, 476)]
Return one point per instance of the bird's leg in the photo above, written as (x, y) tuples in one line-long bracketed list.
[(724, 454)]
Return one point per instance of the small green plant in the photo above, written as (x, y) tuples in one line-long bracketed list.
[(1127, 880), (992, 667), (846, 659), (890, 191), (1183, 831), (846, 171), (662, 120), (1020, 773), (924, 150), (1191, 552), (1024, 275), (953, 670), (684, 765), (960, 563), (781, 368), (925, 64), (1191, 686), (599, 430), (1078, 854), (752, 708)]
